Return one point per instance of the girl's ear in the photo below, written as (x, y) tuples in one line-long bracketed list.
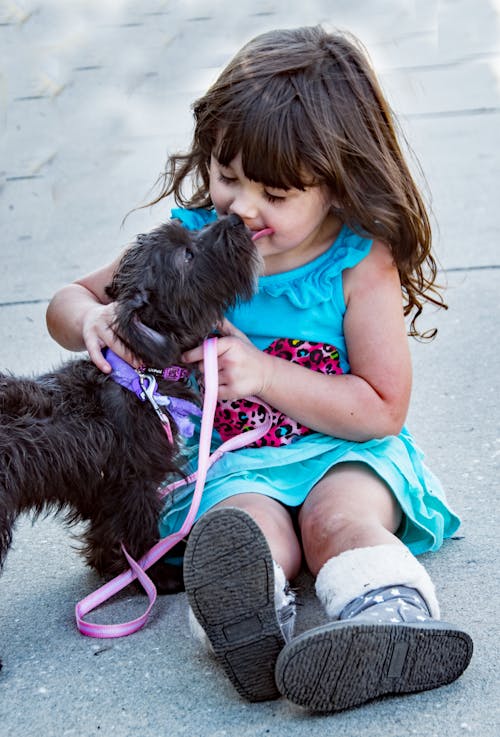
[(333, 199)]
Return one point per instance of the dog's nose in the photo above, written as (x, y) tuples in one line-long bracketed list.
[(234, 220)]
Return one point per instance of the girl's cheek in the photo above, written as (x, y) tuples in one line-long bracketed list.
[(221, 206), (220, 200)]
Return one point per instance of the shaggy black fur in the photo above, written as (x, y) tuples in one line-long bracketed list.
[(76, 442)]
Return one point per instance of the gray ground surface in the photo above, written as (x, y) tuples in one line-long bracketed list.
[(92, 95)]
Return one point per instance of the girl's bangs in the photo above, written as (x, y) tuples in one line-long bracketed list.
[(272, 152)]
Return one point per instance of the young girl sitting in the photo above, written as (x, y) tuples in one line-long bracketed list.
[(296, 138)]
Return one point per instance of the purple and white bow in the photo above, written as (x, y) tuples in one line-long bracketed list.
[(144, 386)]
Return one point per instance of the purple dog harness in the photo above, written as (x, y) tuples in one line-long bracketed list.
[(144, 385)]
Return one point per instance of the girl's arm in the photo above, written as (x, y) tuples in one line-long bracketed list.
[(80, 317), (371, 401)]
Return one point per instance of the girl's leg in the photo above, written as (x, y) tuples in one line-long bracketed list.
[(234, 573), (386, 638), (348, 523), (276, 525), (351, 507)]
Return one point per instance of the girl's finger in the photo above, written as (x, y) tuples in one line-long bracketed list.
[(121, 350), (95, 352), (195, 354)]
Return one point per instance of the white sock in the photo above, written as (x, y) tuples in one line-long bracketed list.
[(355, 572), (198, 633), (282, 592)]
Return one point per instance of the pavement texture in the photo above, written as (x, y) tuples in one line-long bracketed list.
[(93, 93)]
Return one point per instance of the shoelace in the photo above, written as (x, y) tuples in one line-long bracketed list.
[(138, 569)]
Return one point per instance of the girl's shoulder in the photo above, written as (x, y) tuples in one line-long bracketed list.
[(193, 219), (376, 271), (348, 249)]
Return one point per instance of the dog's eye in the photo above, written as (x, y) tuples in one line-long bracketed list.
[(188, 255)]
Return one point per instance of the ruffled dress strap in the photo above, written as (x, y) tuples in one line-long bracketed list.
[(193, 219), (318, 280)]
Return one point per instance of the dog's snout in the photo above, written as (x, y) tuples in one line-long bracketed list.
[(233, 220)]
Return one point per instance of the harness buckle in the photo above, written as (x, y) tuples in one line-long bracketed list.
[(149, 385)]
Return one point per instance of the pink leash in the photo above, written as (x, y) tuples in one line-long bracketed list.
[(205, 461)]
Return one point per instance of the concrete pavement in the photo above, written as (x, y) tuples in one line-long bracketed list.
[(92, 95)]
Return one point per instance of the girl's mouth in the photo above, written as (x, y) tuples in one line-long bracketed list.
[(262, 233)]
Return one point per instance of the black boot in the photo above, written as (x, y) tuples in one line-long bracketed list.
[(241, 599), (386, 640)]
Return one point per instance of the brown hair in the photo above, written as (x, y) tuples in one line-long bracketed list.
[(304, 107)]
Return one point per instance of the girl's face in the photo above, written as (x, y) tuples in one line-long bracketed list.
[(302, 224)]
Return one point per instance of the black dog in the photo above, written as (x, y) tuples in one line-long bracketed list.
[(76, 441)]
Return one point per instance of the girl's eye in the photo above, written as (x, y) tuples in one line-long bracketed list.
[(225, 180), (273, 198)]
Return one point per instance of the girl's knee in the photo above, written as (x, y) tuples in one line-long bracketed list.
[(267, 512), (319, 525), (351, 507), (351, 494), (277, 526)]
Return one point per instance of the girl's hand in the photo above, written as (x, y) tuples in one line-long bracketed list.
[(243, 368), (98, 333)]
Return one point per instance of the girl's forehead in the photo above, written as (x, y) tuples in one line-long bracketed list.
[(267, 167), (236, 167), (234, 163)]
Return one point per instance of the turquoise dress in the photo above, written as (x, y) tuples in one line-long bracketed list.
[(308, 303)]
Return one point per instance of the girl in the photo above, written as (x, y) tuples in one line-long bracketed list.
[(296, 138)]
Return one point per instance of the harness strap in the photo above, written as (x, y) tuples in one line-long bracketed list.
[(138, 569)]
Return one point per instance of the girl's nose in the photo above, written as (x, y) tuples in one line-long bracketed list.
[(245, 207)]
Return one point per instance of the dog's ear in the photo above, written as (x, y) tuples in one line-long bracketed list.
[(144, 342), (131, 271)]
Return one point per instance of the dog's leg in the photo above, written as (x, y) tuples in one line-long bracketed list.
[(128, 515), (167, 578), (131, 520)]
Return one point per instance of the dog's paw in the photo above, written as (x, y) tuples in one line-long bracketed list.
[(168, 579)]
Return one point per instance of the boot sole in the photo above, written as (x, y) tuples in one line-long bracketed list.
[(343, 664), (229, 580)]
